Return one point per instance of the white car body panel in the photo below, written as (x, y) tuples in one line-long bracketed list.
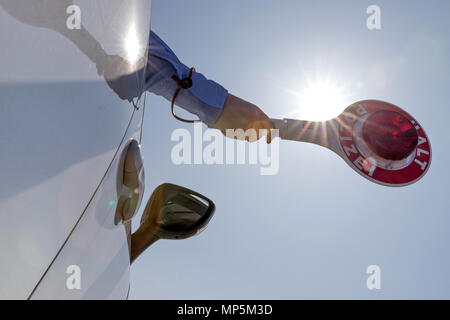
[(61, 128), (97, 246)]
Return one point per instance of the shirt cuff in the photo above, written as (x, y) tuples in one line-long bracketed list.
[(205, 98)]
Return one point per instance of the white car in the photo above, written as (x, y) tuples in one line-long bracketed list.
[(70, 167)]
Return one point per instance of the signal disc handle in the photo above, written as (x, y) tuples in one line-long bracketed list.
[(377, 139), (323, 133)]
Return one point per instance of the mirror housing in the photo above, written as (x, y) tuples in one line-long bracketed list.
[(172, 212), (131, 183)]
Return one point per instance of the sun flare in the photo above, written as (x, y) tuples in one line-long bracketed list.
[(132, 45), (320, 100)]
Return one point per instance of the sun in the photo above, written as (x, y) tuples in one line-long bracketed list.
[(320, 100)]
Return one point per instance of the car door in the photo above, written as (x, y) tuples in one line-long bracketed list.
[(63, 120)]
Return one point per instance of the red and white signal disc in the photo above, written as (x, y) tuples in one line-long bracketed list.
[(383, 143)]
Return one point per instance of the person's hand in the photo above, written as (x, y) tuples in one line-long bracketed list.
[(240, 114)]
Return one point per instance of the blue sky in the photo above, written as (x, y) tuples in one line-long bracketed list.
[(311, 230)]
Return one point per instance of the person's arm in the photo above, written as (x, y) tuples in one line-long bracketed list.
[(207, 99)]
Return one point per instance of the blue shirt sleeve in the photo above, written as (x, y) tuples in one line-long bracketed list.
[(205, 98)]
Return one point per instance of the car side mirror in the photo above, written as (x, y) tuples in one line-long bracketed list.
[(172, 212)]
